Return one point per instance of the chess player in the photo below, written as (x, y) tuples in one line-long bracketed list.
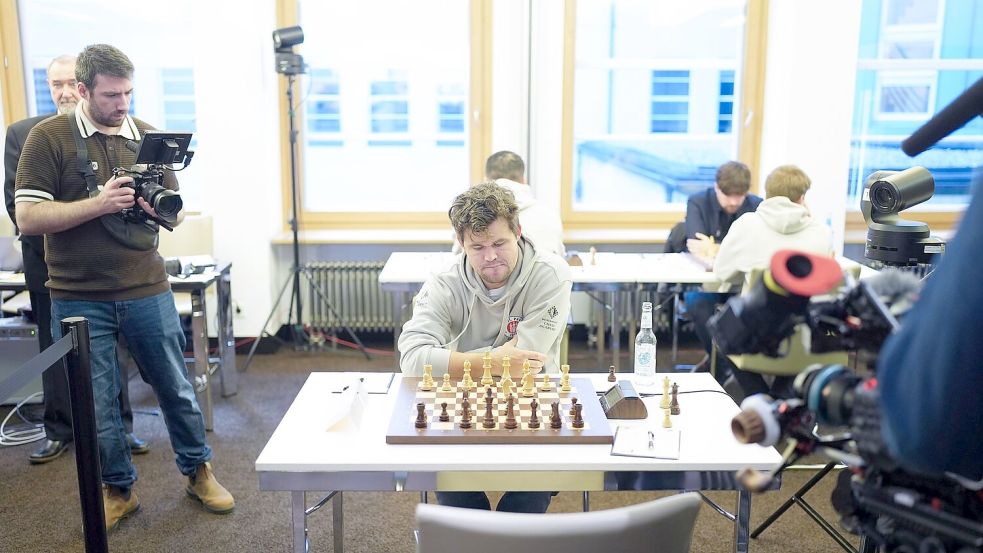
[(540, 225), (502, 295), (780, 222)]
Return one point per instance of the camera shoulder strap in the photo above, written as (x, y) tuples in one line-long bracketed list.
[(138, 236), (84, 164)]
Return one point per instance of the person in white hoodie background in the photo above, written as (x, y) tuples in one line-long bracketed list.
[(540, 225), (502, 295), (781, 222)]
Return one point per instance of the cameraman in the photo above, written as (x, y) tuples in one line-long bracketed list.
[(931, 371), (119, 289)]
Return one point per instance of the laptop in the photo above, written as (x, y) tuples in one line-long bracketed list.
[(11, 258)]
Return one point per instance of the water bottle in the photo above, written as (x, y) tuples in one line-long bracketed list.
[(645, 349)]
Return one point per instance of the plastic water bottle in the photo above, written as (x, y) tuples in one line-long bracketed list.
[(645, 349)]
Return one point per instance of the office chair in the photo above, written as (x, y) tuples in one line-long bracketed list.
[(664, 525)]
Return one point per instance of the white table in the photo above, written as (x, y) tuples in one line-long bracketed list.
[(303, 455), (605, 273)]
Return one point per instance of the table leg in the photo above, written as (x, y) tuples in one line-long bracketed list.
[(742, 521), (228, 375), (199, 375), (398, 299), (615, 329), (675, 328), (338, 514), (297, 513)]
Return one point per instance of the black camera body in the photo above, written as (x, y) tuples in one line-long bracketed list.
[(156, 152), (895, 508), (891, 239)]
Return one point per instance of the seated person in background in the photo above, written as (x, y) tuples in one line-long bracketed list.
[(540, 225), (709, 215), (503, 296), (780, 222)]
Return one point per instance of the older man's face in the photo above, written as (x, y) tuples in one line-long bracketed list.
[(61, 83)]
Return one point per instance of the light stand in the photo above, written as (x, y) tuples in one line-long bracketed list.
[(290, 64)]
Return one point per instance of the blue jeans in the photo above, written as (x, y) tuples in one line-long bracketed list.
[(153, 334), (511, 502)]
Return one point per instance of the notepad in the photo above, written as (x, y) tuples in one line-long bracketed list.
[(646, 441)]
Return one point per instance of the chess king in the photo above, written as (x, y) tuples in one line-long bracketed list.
[(502, 295), (503, 292)]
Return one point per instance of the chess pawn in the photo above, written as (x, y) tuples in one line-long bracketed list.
[(427, 384), (667, 421), (467, 382), (486, 364), (565, 378), (447, 384), (547, 384)]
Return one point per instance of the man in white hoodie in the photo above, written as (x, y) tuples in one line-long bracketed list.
[(503, 295), (540, 225), (781, 222)]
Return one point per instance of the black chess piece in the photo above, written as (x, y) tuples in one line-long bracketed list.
[(421, 417), (444, 417), (674, 404), (578, 416), (573, 405), (510, 422), (534, 418), (465, 413), (555, 421), (489, 421)]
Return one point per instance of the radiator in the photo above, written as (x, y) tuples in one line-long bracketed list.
[(352, 289)]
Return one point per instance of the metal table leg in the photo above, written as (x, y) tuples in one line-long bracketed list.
[(297, 513), (228, 375), (615, 329), (398, 299), (337, 514), (199, 375), (742, 521)]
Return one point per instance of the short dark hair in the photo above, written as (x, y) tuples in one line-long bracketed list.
[(482, 205), (101, 59), (505, 165), (734, 178)]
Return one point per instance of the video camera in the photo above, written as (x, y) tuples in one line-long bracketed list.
[(897, 509), (156, 152)]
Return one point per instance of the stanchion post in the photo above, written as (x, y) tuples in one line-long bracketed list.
[(86, 441)]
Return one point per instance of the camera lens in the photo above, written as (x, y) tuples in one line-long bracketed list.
[(884, 197), (167, 204)]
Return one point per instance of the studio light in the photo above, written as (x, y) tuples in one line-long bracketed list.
[(287, 62)]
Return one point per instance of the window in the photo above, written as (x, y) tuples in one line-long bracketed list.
[(914, 58), (725, 113), (386, 110), (652, 105), (324, 109), (163, 95)]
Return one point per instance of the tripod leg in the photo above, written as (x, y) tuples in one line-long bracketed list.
[(320, 293), (279, 298), (792, 500)]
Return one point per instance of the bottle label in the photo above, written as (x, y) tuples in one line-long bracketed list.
[(644, 356)]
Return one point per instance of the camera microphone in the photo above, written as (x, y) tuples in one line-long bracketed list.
[(960, 111), (897, 289)]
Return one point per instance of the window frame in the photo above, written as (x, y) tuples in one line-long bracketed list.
[(748, 134), (480, 137)]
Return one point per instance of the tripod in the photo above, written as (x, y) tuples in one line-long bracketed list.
[(295, 324)]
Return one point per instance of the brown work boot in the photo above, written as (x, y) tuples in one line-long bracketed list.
[(118, 505), (205, 488)]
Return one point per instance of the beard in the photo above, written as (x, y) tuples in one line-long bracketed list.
[(106, 119)]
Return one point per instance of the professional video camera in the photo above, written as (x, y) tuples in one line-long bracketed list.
[(156, 153), (891, 239), (894, 508)]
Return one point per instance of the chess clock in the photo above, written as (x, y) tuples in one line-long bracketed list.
[(623, 402)]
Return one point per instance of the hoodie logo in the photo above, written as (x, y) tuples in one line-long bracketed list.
[(512, 327), (553, 311)]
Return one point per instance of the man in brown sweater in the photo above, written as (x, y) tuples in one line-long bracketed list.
[(118, 288)]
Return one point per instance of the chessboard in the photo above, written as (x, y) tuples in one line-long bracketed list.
[(403, 428)]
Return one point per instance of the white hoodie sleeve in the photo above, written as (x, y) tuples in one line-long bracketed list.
[(425, 335), (545, 310), (731, 260)]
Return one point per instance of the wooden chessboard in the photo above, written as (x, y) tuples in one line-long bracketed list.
[(402, 428)]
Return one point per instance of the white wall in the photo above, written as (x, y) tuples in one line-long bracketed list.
[(809, 87), (238, 117)]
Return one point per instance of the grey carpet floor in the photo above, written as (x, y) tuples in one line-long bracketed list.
[(39, 508)]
